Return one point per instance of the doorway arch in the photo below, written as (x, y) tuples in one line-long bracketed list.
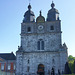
[(40, 69), (52, 71)]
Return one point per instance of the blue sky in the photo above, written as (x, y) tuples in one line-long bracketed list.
[(11, 16)]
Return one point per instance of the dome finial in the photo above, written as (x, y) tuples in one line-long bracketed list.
[(40, 12), (29, 6), (52, 5), (40, 18)]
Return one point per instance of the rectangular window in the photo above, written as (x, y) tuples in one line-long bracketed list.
[(29, 29), (9, 66), (52, 27), (14, 67), (2, 66)]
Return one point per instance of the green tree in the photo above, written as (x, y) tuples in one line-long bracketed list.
[(70, 58), (71, 62), (74, 66)]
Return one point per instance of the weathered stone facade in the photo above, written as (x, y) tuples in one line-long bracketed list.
[(41, 44)]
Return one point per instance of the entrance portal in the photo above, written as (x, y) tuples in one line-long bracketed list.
[(52, 72), (40, 69)]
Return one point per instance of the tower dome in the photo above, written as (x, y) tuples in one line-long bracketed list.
[(53, 13), (29, 15), (40, 18)]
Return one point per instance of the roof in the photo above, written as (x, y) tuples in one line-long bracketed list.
[(8, 56), (29, 15), (53, 13), (53, 10), (40, 18)]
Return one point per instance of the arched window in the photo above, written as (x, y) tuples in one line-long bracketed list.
[(28, 61), (52, 28), (53, 61), (29, 29), (40, 45)]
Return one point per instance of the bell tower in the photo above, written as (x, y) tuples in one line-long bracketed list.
[(53, 14)]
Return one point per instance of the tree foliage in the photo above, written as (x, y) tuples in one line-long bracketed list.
[(71, 60), (74, 66)]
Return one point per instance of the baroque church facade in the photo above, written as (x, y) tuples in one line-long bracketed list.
[(41, 51)]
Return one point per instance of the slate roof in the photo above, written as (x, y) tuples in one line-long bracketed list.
[(29, 15), (53, 14), (8, 56)]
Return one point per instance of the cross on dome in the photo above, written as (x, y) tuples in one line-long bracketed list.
[(52, 5), (40, 13)]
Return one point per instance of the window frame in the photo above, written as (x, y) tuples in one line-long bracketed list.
[(29, 29), (40, 44), (51, 27), (28, 61), (14, 67), (2, 66), (9, 67)]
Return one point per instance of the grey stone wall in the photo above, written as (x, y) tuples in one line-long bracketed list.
[(52, 42), (29, 57), (45, 58), (46, 27)]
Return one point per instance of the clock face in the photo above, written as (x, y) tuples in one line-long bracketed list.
[(40, 27)]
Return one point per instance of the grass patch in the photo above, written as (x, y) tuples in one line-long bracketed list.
[(69, 74)]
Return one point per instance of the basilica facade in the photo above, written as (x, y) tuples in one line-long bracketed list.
[(41, 51)]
